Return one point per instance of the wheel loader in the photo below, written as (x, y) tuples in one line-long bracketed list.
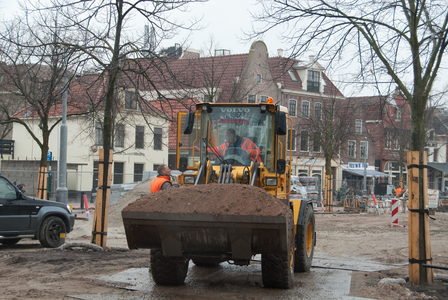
[(204, 156)]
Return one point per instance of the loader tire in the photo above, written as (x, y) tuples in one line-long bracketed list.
[(277, 270), (305, 240), (166, 270)]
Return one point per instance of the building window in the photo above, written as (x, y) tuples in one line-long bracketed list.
[(304, 141), (388, 141), (318, 111), (305, 109), (352, 149), (313, 81), (157, 138), (436, 152), (396, 143), (358, 126), (139, 137), (119, 136), (364, 147), (258, 78), (291, 74), (130, 100), (138, 172), (316, 142), (118, 172), (293, 145), (98, 134), (251, 99), (292, 107), (398, 114), (263, 99)]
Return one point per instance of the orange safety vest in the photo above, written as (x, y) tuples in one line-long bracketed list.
[(156, 184)]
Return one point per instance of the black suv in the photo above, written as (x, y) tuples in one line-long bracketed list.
[(28, 217)]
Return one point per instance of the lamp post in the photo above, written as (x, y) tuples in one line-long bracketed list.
[(62, 191), (364, 191)]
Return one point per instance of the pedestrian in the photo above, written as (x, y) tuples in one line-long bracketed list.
[(163, 180)]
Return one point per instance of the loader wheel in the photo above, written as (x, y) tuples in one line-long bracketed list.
[(277, 270), (166, 270), (305, 240)]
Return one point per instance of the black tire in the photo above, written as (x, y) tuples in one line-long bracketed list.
[(10, 242), (305, 240), (166, 270), (52, 232), (205, 262), (278, 270)]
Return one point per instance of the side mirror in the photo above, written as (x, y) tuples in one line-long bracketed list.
[(281, 166), (280, 123), (189, 122), (183, 162)]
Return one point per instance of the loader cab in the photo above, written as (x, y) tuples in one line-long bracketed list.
[(218, 131)]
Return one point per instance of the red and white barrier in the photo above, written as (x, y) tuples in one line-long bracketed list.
[(394, 211), (86, 207)]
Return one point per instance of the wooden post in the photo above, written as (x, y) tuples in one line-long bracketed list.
[(99, 229), (41, 192), (328, 193), (419, 236)]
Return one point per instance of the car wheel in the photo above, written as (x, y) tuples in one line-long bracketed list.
[(52, 232), (10, 242)]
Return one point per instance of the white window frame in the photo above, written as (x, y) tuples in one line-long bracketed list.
[(307, 141), (358, 126), (388, 140), (320, 113), (352, 143), (307, 115), (291, 112), (363, 144), (251, 101), (264, 99)]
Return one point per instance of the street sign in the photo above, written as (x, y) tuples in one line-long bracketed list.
[(49, 155)]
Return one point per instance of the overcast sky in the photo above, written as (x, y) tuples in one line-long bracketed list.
[(225, 21)]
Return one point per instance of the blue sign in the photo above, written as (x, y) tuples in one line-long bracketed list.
[(357, 165), (49, 156)]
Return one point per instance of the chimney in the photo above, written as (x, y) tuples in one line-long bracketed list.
[(280, 52), (312, 58)]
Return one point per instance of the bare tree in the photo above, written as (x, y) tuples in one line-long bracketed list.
[(399, 42), (329, 128), (102, 34), (32, 76)]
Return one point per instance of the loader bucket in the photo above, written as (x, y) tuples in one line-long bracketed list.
[(232, 237)]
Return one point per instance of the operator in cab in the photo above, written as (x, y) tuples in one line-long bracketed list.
[(163, 180), (238, 145)]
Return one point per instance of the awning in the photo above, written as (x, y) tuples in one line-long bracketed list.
[(369, 173), (439, 166)]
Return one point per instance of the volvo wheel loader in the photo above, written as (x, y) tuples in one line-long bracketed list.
[(204, 156)]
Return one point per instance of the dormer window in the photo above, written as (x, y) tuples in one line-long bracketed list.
[(291, 74), (313, 81)]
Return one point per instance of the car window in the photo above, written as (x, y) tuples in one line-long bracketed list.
[(7, 191)]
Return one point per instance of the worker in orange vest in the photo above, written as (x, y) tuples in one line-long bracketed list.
[(398, 191), (163, 180)]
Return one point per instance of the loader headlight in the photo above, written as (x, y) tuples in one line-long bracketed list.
[(271, 181), (189, 179)]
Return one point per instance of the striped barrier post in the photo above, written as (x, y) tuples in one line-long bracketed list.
[(394, 212), (86, 207)]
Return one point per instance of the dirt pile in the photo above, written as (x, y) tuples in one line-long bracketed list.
[(216, 199)]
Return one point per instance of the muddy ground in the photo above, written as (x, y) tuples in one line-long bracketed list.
[(29, 271)]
